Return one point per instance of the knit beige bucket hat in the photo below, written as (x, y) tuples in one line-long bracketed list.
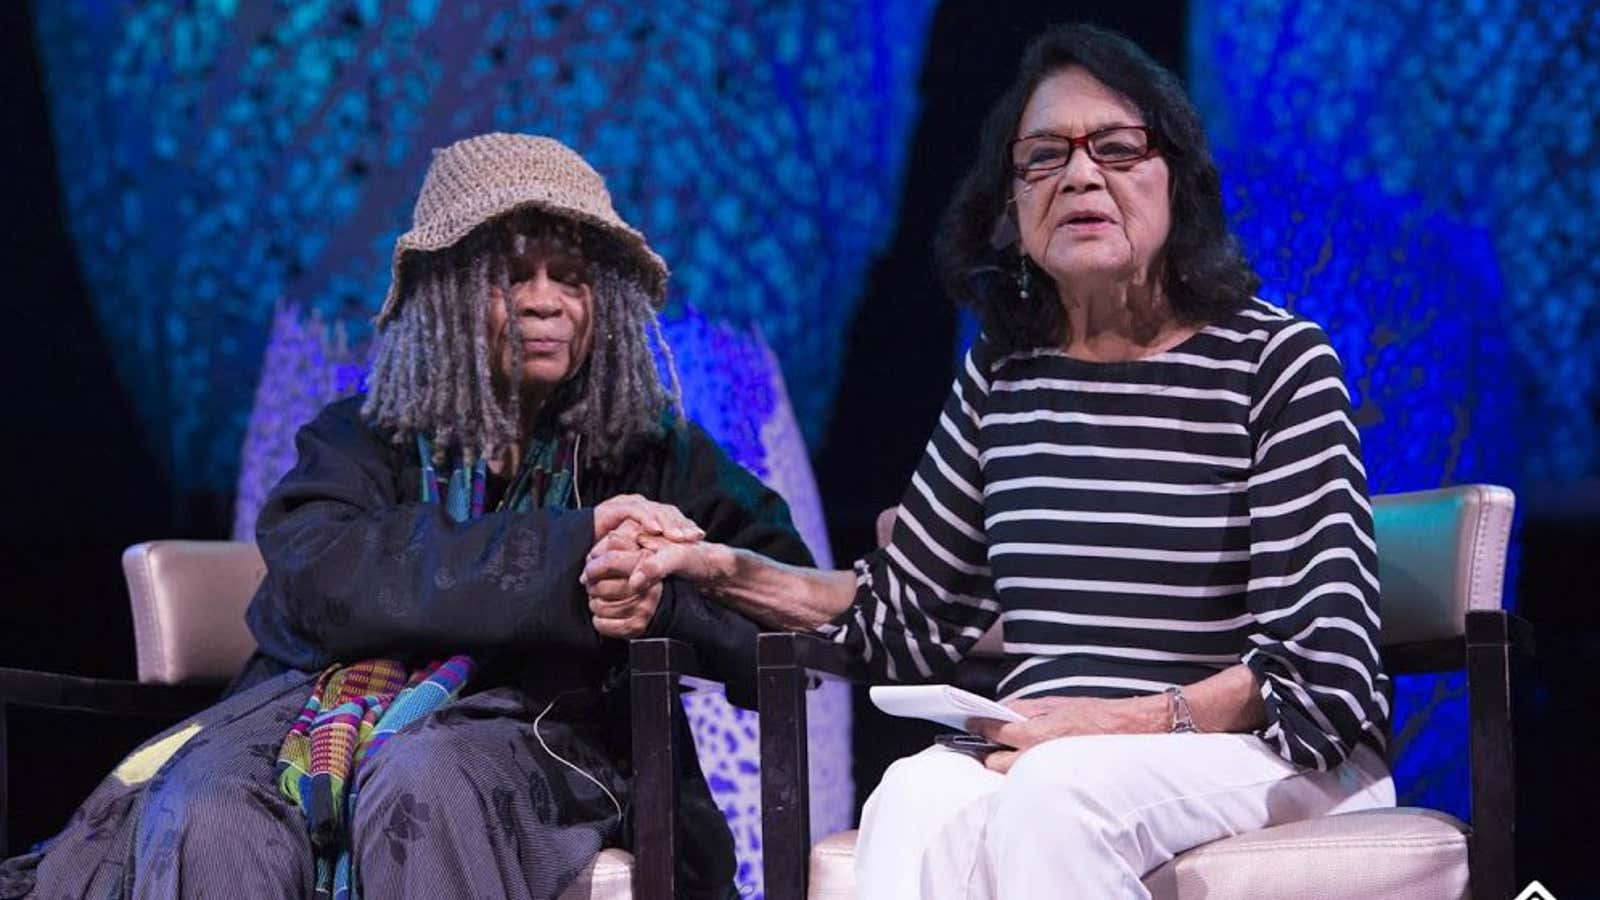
[(479, 178)]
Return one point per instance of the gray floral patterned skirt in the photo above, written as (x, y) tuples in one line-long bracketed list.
[(471, 801)]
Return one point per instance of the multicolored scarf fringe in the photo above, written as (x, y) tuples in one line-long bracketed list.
[(355, 709), (352, 713)]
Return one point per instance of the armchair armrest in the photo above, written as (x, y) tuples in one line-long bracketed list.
[(1492, 644), (807, 652), (53, 690), (105, 696), (1450, 654)]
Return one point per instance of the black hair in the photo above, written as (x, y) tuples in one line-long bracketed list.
[(1203, 272)]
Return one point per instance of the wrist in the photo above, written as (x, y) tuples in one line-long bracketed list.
[(1149, 714), (719, 564), (1180, 718), (661, 619)]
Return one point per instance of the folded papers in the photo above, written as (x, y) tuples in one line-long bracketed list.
[(942, 703)]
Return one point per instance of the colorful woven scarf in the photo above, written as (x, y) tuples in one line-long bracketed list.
[(354, 709)]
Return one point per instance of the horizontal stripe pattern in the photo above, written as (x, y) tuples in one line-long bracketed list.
[(1142, 524)]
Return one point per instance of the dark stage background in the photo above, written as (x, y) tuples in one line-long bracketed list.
[(81, 483), (84, 478)]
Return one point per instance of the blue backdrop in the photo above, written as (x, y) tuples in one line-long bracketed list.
[(219, 156), (1426, 183)]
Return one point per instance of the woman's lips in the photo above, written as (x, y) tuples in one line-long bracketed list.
[(1086, 225), (542, 346)]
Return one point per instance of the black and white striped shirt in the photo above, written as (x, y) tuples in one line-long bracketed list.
[(1143, 524)]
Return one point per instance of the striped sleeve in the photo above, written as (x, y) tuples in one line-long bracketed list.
[(923, 600), (1313, 589)]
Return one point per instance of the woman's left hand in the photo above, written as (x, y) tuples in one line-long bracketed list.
[(618, 611), (624, 573), (627, 618), (1054, 717)]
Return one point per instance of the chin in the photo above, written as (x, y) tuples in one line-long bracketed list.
[(1093, 270), (546, 375), (1088, 262)]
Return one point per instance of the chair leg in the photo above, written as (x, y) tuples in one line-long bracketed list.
[(785, 780), (5, 783), (656, 756), (1491, 847)]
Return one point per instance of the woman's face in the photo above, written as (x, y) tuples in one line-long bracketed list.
[(1087, 224), (550, 318)]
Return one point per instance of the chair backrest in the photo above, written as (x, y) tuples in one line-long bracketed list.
[(189, 599), (1441, 554)]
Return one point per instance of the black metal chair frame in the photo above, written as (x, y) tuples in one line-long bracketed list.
[(658, 666), (1495, 644), (104, 696)]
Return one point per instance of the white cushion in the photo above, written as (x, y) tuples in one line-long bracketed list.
[(1397, 854), (833, 868), (609, 877)]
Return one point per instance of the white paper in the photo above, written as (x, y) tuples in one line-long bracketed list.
[(942, 703)]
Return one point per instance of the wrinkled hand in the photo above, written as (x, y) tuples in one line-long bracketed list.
[(1048, 718), (629, 561), (627, 618), (616, 610), (638, 543), (621, 524), (647, 517)]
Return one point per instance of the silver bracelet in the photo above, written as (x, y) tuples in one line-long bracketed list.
[(1180, 719)]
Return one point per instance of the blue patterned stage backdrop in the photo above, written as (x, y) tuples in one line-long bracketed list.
[(217, 156), (1425, 182)]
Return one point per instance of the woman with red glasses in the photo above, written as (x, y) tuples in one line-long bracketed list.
[(1149, 479)]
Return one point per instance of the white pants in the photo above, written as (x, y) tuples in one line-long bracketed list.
[(1085, 816)]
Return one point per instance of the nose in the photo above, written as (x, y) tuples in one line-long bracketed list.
[(1080, 173), (537, 296)]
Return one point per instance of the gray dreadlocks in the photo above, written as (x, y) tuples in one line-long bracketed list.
[(434, 372)]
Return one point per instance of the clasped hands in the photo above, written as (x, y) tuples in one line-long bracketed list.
[(638, 543)]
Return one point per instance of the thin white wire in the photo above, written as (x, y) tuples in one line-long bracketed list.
[(536, 719), (577, 470)]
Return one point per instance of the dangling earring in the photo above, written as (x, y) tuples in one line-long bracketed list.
[(1024, 279)]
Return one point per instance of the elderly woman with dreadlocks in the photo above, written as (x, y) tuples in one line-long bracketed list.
[(435, 707)]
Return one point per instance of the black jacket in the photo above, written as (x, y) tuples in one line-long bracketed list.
[(358, 567)]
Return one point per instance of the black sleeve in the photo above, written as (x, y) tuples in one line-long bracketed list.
[(352, 571), (734, 509)]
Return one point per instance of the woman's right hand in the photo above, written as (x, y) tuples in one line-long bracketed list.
[(623, 578), (647, 516), (627, 562)]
